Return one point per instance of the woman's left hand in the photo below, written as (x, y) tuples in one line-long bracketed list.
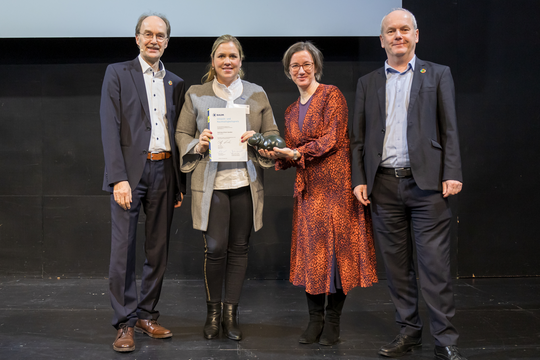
[(284, 153), (245, 136)]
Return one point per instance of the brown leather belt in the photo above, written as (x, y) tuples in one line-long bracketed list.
[(397, 172), (159, 156)]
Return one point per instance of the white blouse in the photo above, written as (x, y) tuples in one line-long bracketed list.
[(230, 175)]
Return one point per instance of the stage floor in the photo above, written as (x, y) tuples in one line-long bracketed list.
[(70, 319)]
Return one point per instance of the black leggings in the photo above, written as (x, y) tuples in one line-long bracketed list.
[(226, 243)]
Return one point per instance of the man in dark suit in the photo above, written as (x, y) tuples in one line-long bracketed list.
[(406, 162), (140, 103)]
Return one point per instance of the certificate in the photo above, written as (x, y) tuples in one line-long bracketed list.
[(227, 126)]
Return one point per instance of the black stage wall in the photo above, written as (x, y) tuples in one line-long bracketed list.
[(54, 219)]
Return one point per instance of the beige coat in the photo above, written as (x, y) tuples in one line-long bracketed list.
[(194, 119)]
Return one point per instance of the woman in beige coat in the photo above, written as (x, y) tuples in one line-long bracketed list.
[(227, 198)]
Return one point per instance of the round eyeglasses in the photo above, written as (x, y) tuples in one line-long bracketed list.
[(296, 67)]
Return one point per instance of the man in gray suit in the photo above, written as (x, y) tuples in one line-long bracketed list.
[(406, 163)]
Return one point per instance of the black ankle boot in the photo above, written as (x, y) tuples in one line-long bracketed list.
[(213, 318), (230, 324), (330, 333), (316, 319)]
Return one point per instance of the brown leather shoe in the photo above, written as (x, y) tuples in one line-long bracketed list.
[(124, 341), (152, 329)]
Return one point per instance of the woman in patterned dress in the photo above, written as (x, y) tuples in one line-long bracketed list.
[(332, 244)]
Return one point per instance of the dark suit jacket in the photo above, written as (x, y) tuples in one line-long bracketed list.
[(432, 134), (126, 127)]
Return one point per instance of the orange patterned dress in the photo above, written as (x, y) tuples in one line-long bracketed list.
[(330, 226)]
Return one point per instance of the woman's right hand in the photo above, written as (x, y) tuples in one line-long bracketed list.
[(268, 154), (204, 141)]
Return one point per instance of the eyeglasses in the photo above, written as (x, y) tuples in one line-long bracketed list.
[(296, 67), (150, 36)]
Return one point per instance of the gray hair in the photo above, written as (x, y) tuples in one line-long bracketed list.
[(145, 15), (400, 9)]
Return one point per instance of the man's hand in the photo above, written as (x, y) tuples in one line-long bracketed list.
[(122, 194), (451, 187), (360, 192), (179, 202)]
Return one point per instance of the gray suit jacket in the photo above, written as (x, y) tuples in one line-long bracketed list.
[(194, 119), (432, 133)]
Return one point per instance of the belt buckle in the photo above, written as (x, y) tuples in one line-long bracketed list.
[(396, 172), (152, 156)]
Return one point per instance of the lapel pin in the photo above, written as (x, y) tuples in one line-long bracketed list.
[(170, 82), (422, 71)]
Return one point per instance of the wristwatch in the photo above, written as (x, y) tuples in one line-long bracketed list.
[(296, 155)]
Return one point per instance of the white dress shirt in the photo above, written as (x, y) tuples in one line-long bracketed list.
[(155, 92)]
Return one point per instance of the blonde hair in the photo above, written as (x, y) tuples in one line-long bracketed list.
[(211, 72)]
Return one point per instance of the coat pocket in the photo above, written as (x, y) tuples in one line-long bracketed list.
[(436, 145), (427, 88)]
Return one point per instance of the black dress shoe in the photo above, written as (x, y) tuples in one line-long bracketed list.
[(400, 346), (448, 353)]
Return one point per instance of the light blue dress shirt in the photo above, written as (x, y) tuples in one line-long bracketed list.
[(398, 91)]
